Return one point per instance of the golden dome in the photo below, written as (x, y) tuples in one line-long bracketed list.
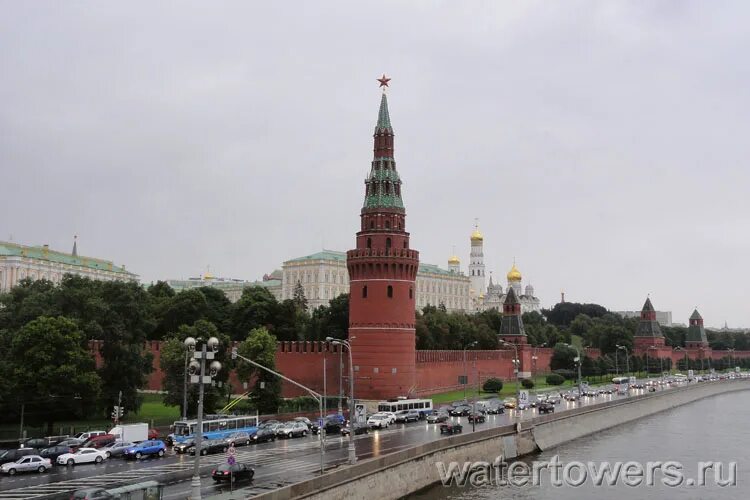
[(208, 276), (514, 274), (476, 235), (454, 260)]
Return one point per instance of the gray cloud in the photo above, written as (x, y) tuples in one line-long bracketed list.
[(601, 144)]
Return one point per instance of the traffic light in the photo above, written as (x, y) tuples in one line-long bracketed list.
[(118, 412)]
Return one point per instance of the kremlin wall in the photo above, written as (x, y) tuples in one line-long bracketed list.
[(382, 272)]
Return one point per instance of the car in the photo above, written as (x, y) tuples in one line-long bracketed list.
[(83, 436), (55, 451), (91, 494), (545, 407), (262, 435), (495, 409), (305, 421), (29, 463), (460, 411), (116, 449), (82, 456), (450, 428), (239, 438), (391, 416), (184, 446), (476, 418), (438, 418), (36, 443), (153, 434), (73, 443), (407, 416), (378, 421), (333, 427), (234, 472), (509, 403), (358, 429), (13, 455), (209, 446), (146, 448), (99, 441), (292, 429)]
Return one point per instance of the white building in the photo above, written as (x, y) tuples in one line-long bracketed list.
[(231, 287), (324, 276), (664, 318), (18, 262)]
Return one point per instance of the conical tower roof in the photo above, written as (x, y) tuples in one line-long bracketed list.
[(696, 315), (384, 118), (648, 306), (75, 246), (511, 297)]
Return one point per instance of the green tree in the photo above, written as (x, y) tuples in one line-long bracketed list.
[(257, 307), (172, 362), (260, 346), (51, 371), (185, 308), (562, 357), (492, 385), (299, 296)]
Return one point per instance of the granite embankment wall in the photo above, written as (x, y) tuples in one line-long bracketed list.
[(401, 473)]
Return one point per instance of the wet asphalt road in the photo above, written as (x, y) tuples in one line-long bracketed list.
[(277, 463)]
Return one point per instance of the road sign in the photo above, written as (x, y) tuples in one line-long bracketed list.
[(523, 397), (320, 422), (736, 369), (691, 373), (231, 450), (231, 460), (359, 412)]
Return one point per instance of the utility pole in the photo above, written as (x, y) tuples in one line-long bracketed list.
[(184, 387), (325, 403), (119, 408), (20, 431)]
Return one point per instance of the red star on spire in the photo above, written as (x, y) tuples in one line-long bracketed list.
[(383, 80)]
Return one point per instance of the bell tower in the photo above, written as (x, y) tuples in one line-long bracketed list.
[(382, 272)]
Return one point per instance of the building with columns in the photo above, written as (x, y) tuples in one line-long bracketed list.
[(18, 262), (231, 287)]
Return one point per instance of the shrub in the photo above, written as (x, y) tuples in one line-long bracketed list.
[(566, 374), (527, 383), (492, 385), (555, 379)]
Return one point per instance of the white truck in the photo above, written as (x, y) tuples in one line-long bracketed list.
[(131, 433)]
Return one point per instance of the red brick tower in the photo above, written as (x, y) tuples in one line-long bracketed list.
[(382, 271)]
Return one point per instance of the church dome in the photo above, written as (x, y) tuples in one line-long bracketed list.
[(476, 235), (514, 274), (454, 260)]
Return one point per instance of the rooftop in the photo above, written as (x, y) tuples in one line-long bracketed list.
[(8, 249)]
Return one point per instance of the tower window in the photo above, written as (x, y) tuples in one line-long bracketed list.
[(390, 292), (387, 224), (364, 292), (405, 245), (387, 243), (372, 224), (369, 243), (411, 293)]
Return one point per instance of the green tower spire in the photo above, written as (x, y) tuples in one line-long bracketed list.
[(383, 185), (384, 119)]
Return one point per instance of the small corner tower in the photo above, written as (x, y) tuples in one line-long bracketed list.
[(648, 332), (476, 262), (696, 334), (511, 328), (382, 271)]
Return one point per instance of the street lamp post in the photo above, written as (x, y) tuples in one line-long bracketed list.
[(341, 380), (466, 378), (627, 357), (184, 385), (617, 368), (731, 356), (314, 394), (661, 364), (579, 361), (348, 345), (198, 376), (517, 366)]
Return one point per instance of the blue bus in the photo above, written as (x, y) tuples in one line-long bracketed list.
[(214, 427)]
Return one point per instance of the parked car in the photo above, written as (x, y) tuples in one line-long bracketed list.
[(358, 429), (145, 448), (494, 409), (91, 494), (333, 427), (238, 438), (99, 441), (235, 472), (263, 435), (292, 429), (36, 443), (450, 428), (13, 455), (305, 421), (116, 449), (437, 418), (378, 421), (209, 446), (391, 416), (407, 416), (509, 403), (83, 436), (82, 456), (153, 434), (477, 418), (545, 407), (29, 463), (73, 443), (460, 411), (55, 451)]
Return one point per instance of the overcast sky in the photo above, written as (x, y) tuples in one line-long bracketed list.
[(604, 145)]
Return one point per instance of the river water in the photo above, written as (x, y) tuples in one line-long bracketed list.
[(712, 429)]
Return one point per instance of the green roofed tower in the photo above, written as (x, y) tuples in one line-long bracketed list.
[(648, 332), (696, 334), (383, 185)]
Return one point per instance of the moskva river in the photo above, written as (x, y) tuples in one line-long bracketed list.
[(657, 458)]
